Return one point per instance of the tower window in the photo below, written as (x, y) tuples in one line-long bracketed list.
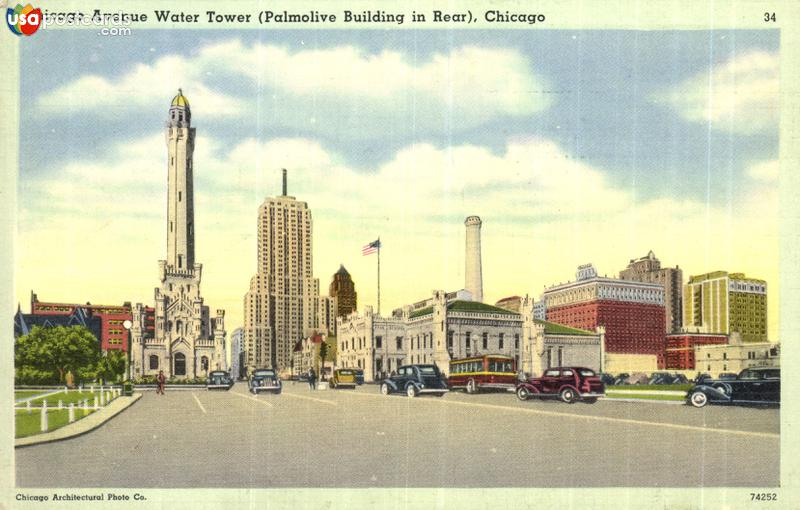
[(180, 261), (179, 196)]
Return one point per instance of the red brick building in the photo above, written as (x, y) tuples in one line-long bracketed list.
[(680, 348), (631, 312), (113, 334)]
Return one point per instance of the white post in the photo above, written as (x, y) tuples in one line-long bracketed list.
[(65, 389), (60, 404), (102, 398), (43, 425), (85, 406), (71, 413), (28, 406), (96, 403), (91, 388)]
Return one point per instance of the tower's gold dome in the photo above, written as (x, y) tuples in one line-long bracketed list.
[(180, 100)]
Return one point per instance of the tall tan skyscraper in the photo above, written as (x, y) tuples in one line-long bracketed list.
[(648, 270), (188, 342), (279, 308)]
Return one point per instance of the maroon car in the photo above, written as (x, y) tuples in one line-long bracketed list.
[(567, 383)]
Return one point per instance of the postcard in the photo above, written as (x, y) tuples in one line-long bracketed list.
[(366, 254)]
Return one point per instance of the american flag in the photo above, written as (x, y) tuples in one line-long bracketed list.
[(371, 248)]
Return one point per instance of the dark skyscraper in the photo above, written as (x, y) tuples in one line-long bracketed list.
[(344, 290)]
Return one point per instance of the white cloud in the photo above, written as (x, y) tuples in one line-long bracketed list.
[(333, 89), (741, 95), (544, 213), (765, 171)]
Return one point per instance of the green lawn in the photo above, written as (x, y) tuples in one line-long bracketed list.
[(67, 398), (18, 394), (30, 424), (652, 387)]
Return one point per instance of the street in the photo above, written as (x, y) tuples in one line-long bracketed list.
[(359, 438)]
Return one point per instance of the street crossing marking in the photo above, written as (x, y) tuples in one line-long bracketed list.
[(198, 403), (254, 398), (311, 398), (678, 426)]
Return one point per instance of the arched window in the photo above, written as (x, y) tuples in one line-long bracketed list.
[(180, 364), (153, 362), (204, 364)]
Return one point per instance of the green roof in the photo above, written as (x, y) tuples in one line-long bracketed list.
[(420, 312), (474, 306), (551, 328)]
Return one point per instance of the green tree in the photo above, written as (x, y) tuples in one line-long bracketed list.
[(56, 350), (111, 366), (323, 352)]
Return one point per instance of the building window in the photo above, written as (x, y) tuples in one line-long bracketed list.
[(399, 343), (204, 364), (724, 355), (560, 356), (485, 341), (450, 339), (153, 362), (378, 343), (516, 340), (500, 342), (466, 343), (549, 357)]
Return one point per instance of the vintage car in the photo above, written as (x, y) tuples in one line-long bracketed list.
[(754, 386), (265, 379), (414, 380), (343, 378), (219, 380), (569, 384)]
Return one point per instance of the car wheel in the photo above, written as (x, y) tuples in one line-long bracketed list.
[(568, 395), (523, 393), (698, 399), (471, 388), (385, 389), (411, 391)]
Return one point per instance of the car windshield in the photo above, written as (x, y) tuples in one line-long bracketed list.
[(586, 372), (264, 373), (345, 372), (427, 370)]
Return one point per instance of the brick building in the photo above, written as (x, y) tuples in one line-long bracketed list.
[(632, 313), (680, 348)]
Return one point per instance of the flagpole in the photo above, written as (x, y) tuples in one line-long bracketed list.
[(379, 276)]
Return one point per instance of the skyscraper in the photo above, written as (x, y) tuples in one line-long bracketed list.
[(279, 308), (648, 269), (343, 290), (722, 302), (188, 342), (473, 272)]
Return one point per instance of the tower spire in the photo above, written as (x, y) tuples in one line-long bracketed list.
[(285, 191)]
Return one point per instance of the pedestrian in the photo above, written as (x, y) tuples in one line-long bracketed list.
[(312, 379), (161, 382)]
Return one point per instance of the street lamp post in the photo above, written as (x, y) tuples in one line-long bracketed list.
[(127, 324)]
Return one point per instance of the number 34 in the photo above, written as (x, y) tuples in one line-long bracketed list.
[(769, 16)]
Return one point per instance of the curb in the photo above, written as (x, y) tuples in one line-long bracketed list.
[(645, 400), (82, 426)]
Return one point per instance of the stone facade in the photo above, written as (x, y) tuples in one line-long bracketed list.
[(188, 342), (735, 356), (437, 330)]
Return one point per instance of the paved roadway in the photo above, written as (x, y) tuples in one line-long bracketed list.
[(359, 438)]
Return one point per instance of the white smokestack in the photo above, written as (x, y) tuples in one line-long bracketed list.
[(473, 272)]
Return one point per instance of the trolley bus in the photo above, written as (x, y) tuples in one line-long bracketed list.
[(494, 371)]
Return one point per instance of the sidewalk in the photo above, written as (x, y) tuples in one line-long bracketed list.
[(83, 425)]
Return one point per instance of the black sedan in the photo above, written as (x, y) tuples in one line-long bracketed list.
[(219, 380), (753, 386), (265, 379), (414, 380)]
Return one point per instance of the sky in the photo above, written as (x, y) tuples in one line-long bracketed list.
[(572, 146)]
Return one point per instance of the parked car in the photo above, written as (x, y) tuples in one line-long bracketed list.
[(727, 376), (219, 380), (343, 378), (265, 379), (760, 386), (608, 379), (359, 376), (569, 384), (701, 378), (415, 380)]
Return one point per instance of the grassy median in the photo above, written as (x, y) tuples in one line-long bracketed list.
[(30, 424)]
